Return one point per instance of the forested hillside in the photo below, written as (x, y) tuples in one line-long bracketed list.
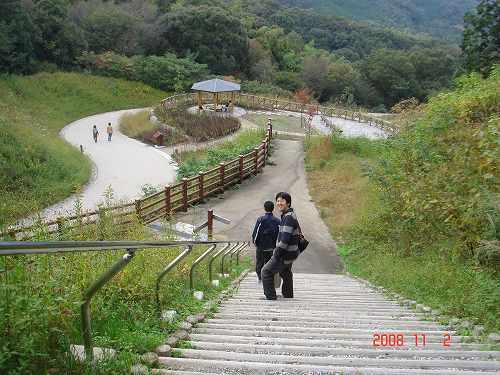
[(271, 46), (441, 18)]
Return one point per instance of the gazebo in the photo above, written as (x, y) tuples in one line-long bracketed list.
[(215, 86)]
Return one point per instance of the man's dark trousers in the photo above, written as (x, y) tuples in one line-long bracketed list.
[(277, 265), (262, 257)]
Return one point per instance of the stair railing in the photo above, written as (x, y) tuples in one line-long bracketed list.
[(15, 248)]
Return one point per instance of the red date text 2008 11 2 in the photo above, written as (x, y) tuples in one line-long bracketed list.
[(399, 339)]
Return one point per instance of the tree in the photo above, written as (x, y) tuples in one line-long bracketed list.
[(57, 39), (215, 37), (481, 44), (17, 53), (392, 74)]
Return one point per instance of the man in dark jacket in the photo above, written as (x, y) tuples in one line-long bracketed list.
[(264, 236), (286, 250)]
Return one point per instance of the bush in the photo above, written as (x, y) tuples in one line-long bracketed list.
[(166, 72), (193, 162), (440, 179)]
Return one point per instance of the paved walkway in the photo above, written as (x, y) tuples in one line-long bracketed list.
[(244, 203), (123, 164)]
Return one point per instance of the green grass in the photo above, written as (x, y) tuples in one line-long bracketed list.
[(339, 172), (456, 288), (40, 299), (193, 162), (281, 123), (37, 168)]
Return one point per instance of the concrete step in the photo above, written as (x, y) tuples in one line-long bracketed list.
[(339, 322), (360, 344), (309, 305), (258, 368), (248, 330), (348, 352), (309, 335), (275, 321), (286, 358), (178, 372), (322, 313)]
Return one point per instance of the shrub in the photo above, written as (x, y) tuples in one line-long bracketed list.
[(166, 72)]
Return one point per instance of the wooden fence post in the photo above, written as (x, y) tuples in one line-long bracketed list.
[(210, 222), (241, 168), (264, 148), (138, 209), (185, 194), (255, 159), (60, 224), (221, 175), (200, 181), (167, 202)]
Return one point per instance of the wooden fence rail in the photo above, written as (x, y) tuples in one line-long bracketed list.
[(173, 198), (275, 104), (195, 189)]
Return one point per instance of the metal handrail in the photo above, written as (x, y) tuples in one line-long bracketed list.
[(56, 247), (196, 262), (224, 256), (167, 269), (212, 260), (9, 248), (230, 251), (89, 293), (239, 251)]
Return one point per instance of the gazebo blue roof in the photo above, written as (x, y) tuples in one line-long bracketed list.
[(215, 85)]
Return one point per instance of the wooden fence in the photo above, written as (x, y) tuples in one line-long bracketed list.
[(173, 198), (275, 104), (180, 196)]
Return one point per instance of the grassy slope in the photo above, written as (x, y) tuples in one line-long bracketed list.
[(343, 193), (36, 167)]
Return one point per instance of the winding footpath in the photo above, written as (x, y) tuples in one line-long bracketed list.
[(124, 164)]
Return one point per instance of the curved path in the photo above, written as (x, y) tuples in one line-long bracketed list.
[(244, 203), (123, 164)]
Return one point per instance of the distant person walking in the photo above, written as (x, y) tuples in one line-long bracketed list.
[(95, 133), (286, 250), (264, 237), (109, 130)]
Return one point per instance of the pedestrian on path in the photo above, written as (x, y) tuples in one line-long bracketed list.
[(95, 133), (109, 130), (286, 250), (264, 237)]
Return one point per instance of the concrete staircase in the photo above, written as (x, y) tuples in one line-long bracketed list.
[(328, 328)]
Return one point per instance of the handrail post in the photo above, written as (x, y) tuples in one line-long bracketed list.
[(239, 251), (224, 257), (264, 148), (185, 194), (213, 258), (87, 297), (166, 270), (235, 251), (167, 201), (196, 262)]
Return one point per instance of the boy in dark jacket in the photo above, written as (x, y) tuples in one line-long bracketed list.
[(264, 236)]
